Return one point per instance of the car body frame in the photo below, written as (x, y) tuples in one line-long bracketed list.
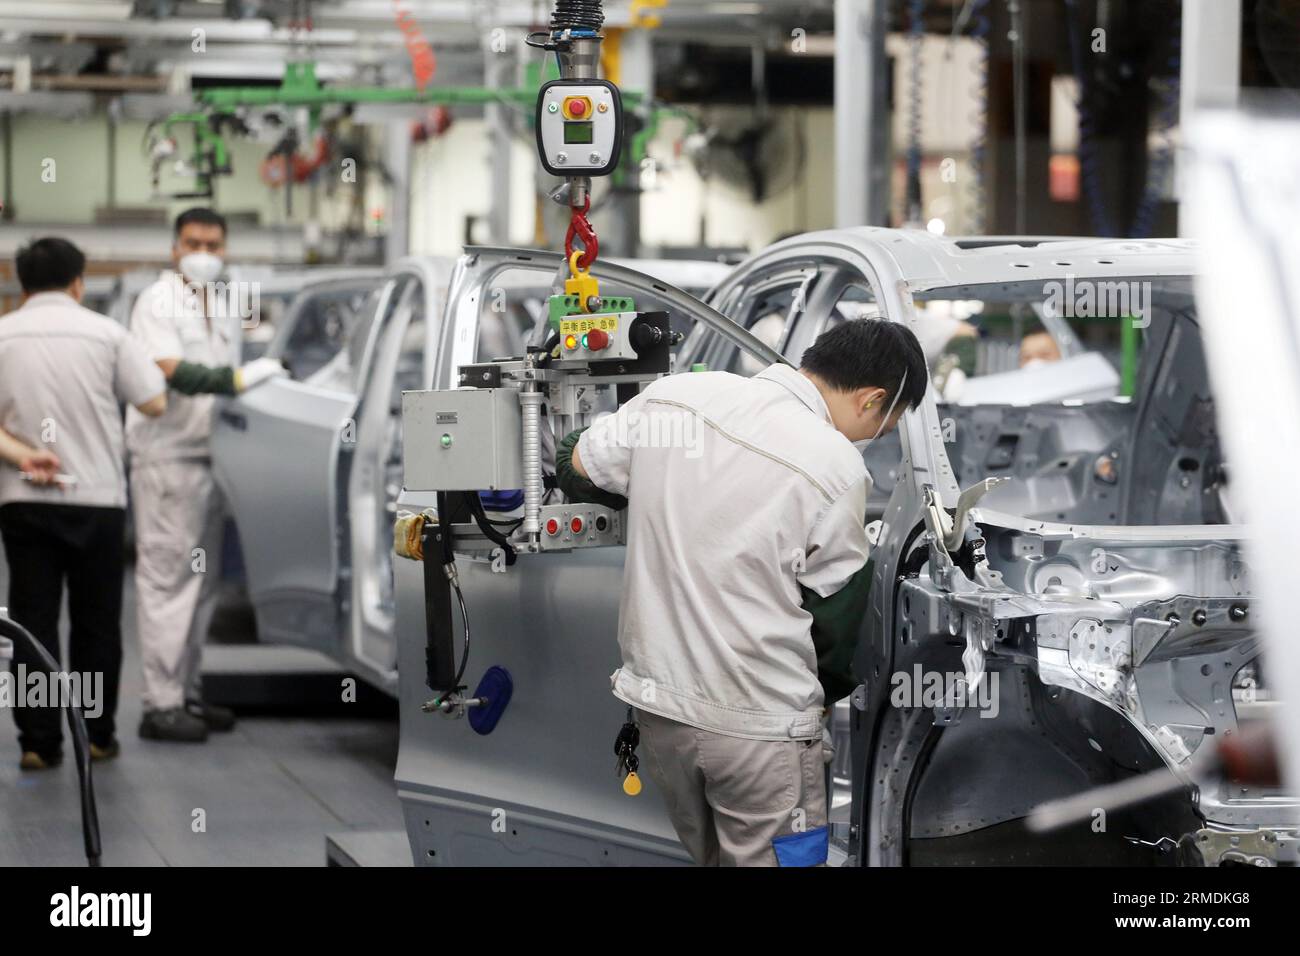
[(959, 588)]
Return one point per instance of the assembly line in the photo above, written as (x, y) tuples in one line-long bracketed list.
[(834, 433)]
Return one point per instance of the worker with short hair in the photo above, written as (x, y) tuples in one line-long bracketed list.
[(184, 323), (65, 371), (746, 580)]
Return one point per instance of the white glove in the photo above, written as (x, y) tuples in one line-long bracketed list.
[(256, 372)]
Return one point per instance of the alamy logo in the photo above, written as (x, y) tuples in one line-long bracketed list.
[(40, 688), (654, 429), (234, 299), (930, 689), (132, 910), (1097, 299)]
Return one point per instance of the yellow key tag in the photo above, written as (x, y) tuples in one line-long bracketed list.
[(582, 284), (631, 784)]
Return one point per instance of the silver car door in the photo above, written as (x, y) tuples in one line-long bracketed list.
[(275, 456), (319, 320), (403, 360)]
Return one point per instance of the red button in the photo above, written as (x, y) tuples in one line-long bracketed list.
[(597, 339), (577, 107), (552, 526), (576, 525)]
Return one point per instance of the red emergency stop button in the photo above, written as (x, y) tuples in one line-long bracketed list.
[(577, 107), (552, 527), (597, 339), (577, 524)]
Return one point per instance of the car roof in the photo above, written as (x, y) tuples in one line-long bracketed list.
[(928, 261)]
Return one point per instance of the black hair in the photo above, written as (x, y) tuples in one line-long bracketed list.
[(49, 265), (870, 353), (201, 215)]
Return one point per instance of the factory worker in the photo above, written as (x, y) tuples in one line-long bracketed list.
[(65, 372), (188, 325), (746, 580)]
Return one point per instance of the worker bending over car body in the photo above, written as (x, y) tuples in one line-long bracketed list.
[(186, 324), (65, 371), (746, 578)]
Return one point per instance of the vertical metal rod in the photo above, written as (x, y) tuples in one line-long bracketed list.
[(8, 127), (530, 398), (498, 67), (1017, 38), (861, 113), (111, 165)]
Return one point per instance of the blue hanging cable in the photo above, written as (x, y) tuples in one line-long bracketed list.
[(1089, 167), (1159, 159)]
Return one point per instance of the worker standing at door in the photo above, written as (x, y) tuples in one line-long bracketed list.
[(65, 371), (186, 324), (745, 583)]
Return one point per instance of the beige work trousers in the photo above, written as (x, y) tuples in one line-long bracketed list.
[(178, 525), (729, 797)]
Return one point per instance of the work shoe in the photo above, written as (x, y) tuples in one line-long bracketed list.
[(176, 724), (31, 760), (218, 719), (106, 752)]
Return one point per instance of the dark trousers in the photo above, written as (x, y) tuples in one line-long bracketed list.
[(46, 545)]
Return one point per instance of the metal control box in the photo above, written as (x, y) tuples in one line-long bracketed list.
[(578, 525), (579, 127), (597, 337), (464, 439)]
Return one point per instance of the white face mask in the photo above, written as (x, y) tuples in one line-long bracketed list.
[(201, 266), (864, 444)]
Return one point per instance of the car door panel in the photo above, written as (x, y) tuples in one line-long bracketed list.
[(276, 456), (403, 359)]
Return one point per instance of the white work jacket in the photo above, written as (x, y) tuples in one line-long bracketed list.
[(168, 320), (740, 491)]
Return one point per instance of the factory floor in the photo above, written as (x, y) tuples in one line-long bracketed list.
[(270, 790)]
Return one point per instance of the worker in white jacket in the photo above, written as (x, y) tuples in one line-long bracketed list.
[(185, 323), (745, 582)]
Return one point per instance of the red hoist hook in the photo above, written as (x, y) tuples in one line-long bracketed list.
[(582, 229)]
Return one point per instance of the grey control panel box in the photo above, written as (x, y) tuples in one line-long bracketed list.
[(463, 439), (579, 127)]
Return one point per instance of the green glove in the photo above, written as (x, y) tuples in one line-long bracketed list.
[(837, 621), (576, 487), (191, 378)]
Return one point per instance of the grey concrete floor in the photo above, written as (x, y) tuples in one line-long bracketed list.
[(269, 791)]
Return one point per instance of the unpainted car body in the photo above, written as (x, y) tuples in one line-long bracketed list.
[(1017, 592)]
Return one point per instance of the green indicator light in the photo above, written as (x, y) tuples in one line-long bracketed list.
[(446, 441), (584, 340)]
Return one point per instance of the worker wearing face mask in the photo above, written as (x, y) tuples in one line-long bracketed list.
[(186, 323), (746, 581)]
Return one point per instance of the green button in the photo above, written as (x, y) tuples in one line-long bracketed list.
[(700, 367), (446, 441)]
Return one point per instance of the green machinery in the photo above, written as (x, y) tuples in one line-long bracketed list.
[(219, 110)]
